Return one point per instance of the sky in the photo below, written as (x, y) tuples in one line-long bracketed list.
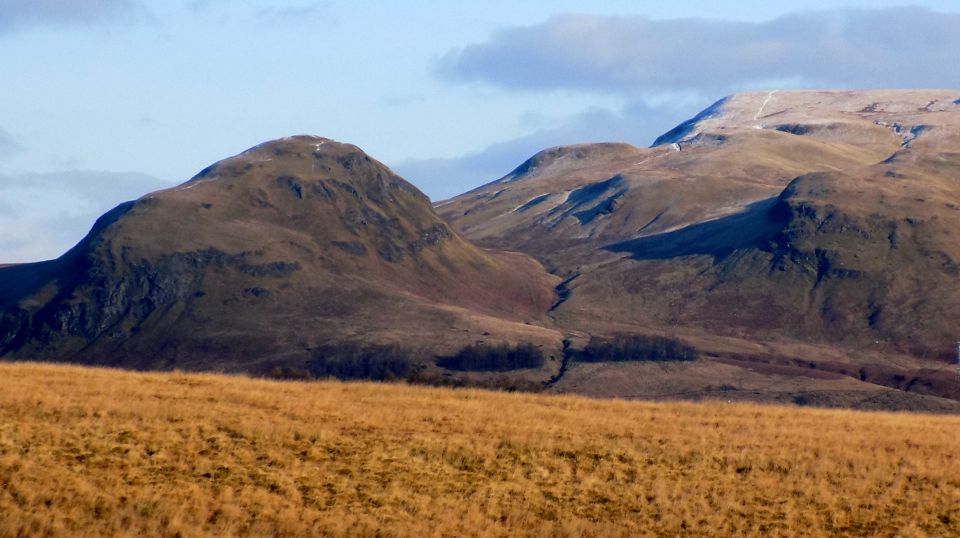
[(102, 101)]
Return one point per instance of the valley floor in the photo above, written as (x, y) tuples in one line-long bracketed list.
[(104, 452)]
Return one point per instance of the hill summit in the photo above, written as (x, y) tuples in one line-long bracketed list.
[(260, 258)]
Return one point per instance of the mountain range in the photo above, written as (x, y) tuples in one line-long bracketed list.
[(804, 243)]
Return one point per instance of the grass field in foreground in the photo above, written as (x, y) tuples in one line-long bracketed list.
[(105, 452)]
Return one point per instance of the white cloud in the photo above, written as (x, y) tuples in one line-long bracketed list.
[(856, 48), (670, 69), (43, 215)]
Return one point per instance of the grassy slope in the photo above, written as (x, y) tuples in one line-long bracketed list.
[(89, 451)]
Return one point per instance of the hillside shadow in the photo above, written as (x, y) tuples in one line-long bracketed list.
[(754, 227)]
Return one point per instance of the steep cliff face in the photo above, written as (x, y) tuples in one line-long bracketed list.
[(879, 255), (293, 244)]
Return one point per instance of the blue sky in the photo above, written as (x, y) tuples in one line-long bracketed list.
[(105, 100)]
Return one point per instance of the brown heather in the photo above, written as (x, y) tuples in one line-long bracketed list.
[(101, 452)]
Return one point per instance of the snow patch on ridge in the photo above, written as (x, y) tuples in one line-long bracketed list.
[(680, 132), (530, 203), (764, 105)]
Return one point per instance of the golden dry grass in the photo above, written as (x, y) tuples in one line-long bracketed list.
[(102, 452)]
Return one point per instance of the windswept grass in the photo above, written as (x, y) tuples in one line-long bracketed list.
[(101, 452)]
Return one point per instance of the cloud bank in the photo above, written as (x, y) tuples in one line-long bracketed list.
[(854, 48), (636, 123), (668, 70), (15, 14)]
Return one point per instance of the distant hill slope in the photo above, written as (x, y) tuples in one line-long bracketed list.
[(785, 227), (261, 258)]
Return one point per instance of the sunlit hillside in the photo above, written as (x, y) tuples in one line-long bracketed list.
[(104, 452)]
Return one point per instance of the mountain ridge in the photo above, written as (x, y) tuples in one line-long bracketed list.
[(787, 218)]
